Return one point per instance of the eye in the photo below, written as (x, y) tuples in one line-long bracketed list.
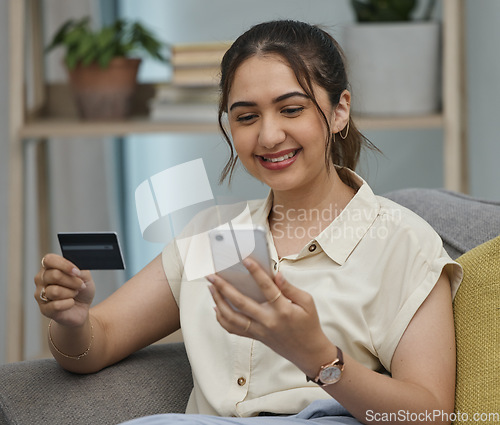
[(246, 118), (292, 111)]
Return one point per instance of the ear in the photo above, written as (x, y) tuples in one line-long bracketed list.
[(342, 112)]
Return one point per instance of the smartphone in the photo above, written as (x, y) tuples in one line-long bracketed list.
[(92, 250), (230, 246)]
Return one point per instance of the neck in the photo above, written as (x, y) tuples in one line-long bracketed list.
[(329, 193)]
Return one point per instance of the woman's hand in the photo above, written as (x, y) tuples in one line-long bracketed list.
[(288, 322), (63, 292)]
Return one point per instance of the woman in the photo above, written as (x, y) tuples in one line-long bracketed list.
[(362, 285)]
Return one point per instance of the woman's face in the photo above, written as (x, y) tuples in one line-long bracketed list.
[(278, 133)]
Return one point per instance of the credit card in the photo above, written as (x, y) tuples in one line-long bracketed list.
[(92, 250)]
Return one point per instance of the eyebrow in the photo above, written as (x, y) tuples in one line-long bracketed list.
[(276, 100)]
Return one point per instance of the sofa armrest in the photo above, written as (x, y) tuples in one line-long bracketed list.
[(154, 380)]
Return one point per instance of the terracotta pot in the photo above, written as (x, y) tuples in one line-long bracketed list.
[(105, 93)]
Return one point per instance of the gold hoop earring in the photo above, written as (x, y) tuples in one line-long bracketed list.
[(346, 132)]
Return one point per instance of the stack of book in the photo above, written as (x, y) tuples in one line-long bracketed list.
[(197, 64), (192, 95), (184, 104)]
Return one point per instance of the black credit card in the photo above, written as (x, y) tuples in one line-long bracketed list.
[(92, 251)]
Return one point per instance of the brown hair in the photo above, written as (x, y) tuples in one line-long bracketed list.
[(315, 57)]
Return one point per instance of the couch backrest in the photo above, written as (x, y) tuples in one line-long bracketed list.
[(463, 222)]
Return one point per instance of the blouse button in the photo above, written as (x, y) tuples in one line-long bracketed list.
[(275, 266), (312, 247), (242, 381)]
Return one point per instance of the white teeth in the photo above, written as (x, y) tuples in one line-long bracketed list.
[(281, 158)]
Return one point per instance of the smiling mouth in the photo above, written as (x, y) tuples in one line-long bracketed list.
[(280, 158)]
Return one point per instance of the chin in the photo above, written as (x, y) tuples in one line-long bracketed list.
[(282, 186)]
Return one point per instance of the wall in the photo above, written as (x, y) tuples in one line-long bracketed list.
[(483, 68), (4, 167)]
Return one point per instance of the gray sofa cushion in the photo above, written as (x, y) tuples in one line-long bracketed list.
[(154, 380), (462, 222)]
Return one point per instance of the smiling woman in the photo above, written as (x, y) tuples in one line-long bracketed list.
[(359, 284)]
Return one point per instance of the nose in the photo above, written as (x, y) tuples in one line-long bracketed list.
[(271, 133)]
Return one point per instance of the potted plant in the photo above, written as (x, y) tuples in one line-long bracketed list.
[(101, 64), (393, 58)]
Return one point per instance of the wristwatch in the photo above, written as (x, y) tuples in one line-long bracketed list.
[(330, 373)]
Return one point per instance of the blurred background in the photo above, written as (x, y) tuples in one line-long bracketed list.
[(92, 180)]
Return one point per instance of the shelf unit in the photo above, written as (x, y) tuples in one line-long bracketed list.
[(31, 126)]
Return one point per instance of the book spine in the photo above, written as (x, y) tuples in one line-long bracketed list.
[(196, 76), (197, 59), (198, 54)]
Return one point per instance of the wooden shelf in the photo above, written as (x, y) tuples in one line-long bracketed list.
[(58, 118), (61, 127), (42, 128)]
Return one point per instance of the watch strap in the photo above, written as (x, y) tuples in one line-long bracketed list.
[(339, 361)]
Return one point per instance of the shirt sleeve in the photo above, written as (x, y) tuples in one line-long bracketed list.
[(410, 267)]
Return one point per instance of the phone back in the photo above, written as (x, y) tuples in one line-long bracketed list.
[(230, 247)]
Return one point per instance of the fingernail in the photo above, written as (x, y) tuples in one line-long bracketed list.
[(211, 278), (83, 286), (76, 272), (247, 262)]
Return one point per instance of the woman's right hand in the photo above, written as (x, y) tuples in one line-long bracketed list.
[(68, 290)]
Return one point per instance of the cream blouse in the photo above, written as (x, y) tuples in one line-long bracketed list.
[(368, 272)]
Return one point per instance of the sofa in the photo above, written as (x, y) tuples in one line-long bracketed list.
[(158, 379)]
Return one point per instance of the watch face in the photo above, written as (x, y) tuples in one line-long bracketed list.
[(330, 374)]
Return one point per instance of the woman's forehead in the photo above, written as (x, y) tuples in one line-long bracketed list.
[(270, 74), (265, 78)]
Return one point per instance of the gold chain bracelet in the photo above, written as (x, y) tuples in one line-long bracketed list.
[(79, 356)]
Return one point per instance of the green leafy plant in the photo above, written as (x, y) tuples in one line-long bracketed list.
[(85, 46), (388, 10)]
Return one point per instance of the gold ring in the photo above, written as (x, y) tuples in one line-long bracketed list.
[(275, 298), (43, 297), (43, 262), (248, 325)]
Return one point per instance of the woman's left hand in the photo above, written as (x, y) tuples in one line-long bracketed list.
[(287, 323)]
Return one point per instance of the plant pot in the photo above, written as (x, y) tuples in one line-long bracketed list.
[(105, 93), (394, 68)]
